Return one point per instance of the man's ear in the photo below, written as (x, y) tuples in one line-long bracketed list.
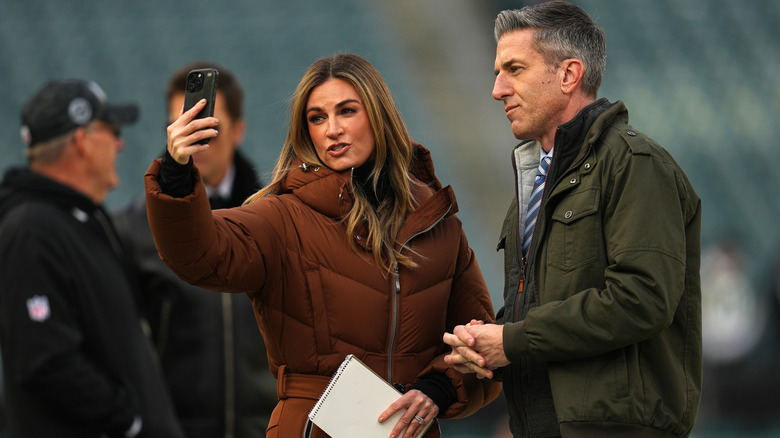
[(79, 142), (239, 131), (572, 71)]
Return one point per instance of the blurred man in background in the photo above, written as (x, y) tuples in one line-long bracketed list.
[(211, 349), (76, 361)]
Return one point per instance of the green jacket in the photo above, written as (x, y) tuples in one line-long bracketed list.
[(610, 308)]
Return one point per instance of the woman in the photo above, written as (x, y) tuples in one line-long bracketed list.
[(352, 248)]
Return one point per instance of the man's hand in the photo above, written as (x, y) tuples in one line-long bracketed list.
[(463, 358), (477, 348)]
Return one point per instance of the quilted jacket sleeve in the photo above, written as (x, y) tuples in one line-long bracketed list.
[(469, 300), (218, 250)]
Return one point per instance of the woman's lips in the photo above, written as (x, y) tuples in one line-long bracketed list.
[(338, 149)]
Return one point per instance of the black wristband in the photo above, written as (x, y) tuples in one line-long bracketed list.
[(176, 179), (438, 387)]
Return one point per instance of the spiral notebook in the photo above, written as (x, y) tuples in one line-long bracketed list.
[(350, 405)]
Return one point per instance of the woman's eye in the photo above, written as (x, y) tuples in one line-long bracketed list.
[(315, 119), (348, 110)]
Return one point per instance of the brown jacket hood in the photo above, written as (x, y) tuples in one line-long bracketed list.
[(308, 183)]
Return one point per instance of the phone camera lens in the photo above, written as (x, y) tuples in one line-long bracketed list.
[(194, 82)]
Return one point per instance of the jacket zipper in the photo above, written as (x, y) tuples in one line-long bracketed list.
[(396, 295), (518, 302), (516, 369), (396, 298)]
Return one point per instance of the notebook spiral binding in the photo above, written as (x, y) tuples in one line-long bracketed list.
[(333, 381)]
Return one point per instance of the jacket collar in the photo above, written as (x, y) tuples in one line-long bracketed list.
[(330, 193), (23, 184), (574, 137), (247, 181), (319, 187)]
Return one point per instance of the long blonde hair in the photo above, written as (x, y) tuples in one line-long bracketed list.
[(393, 155)]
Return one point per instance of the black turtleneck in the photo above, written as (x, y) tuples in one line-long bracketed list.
[(361, 177)]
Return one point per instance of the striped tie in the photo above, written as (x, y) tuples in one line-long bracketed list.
[(534, 203)]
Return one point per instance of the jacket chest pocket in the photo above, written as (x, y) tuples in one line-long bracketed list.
[(575, 231)]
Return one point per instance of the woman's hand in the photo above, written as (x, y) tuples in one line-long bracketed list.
[(185, 133), (418, 406)]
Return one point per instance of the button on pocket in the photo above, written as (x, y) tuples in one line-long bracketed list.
[(575, 230)]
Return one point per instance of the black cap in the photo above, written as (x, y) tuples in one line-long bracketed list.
[(60, 107)]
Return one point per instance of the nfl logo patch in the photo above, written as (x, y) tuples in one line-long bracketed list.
[(38, 308)]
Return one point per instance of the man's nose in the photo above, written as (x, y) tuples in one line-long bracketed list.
[(500, 88)]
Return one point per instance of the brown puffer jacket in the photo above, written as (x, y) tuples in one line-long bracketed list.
[(315, 299)]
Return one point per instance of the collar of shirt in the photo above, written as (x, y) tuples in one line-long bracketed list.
[(542, 154), (225, 187)]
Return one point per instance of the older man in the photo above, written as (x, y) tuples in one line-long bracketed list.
[(76, 361)]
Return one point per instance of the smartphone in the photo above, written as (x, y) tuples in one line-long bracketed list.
[(201, 83)]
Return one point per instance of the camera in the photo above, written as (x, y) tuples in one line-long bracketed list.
[(195, 82)]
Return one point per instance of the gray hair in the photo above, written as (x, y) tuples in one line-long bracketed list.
[(563, 31), (49, 151)]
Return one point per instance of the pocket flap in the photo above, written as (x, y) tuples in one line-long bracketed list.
[(577, 205)]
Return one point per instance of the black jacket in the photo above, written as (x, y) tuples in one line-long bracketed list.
[(76, 361), (211, 349)]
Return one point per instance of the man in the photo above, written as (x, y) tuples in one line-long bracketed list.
[(211, 349), (76, 361), (600, 330)]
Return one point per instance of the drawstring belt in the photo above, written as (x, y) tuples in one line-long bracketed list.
[(291, 385), (308, 386)]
